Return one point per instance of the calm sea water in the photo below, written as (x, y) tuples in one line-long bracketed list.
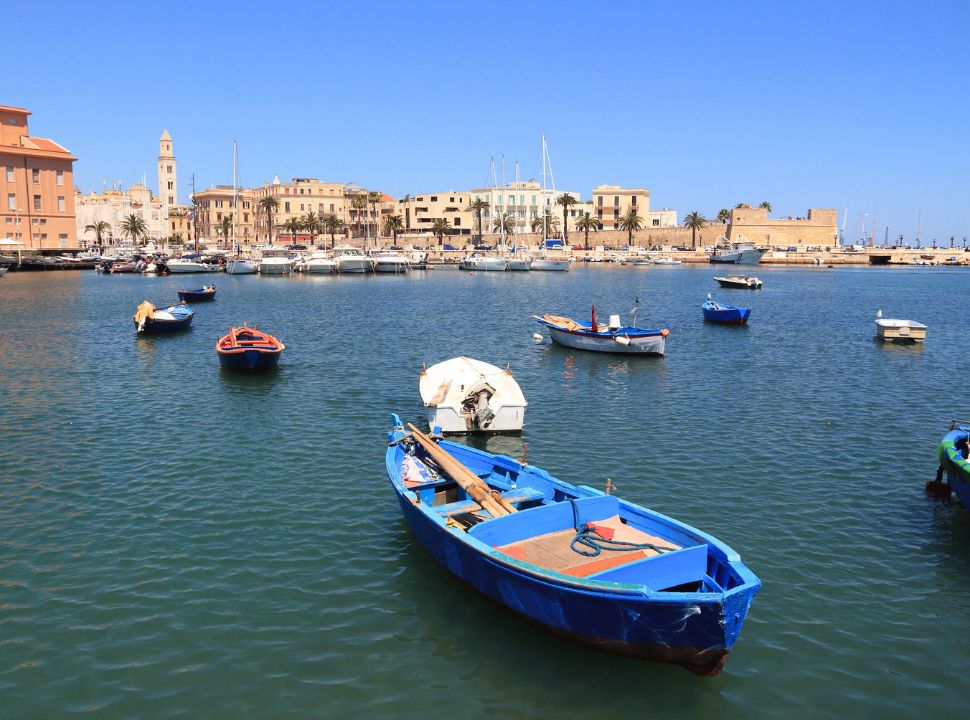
[(180, 542)]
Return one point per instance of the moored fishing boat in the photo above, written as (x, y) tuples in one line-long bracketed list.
[(463, 395), (729, 314), (741, 252), (739, 281), (247, 349), (952, 453), (613, 337), (206, 292), (152, 320), (588, 567), (899, 331)]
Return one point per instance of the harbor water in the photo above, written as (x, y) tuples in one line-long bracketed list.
[(179, 541)]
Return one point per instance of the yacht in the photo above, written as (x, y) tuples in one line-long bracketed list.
[(189, 265), (320, 263), (741, 252), (352, 260), (275, 261), (389, 261), (548, 262), (241, 266)]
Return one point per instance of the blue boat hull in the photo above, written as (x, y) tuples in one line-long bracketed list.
[(955, 465), (194, 296), (728, 315), (694, 629), (251, 361), (157, 327)]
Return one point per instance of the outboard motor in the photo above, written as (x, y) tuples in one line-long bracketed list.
[(475, 406)]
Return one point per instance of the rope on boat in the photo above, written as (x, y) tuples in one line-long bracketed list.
[(596, 544)]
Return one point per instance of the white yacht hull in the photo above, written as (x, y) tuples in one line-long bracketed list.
[(481, 264), (519, 264), (551, 265), (390, 266), (321, 267), (241, 267), (354, 265), (463, 395), (177, 268), (275, 266)]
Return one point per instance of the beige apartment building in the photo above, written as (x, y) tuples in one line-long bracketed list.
[(611, 202), (217, 203), (36, 187), (419, 212)]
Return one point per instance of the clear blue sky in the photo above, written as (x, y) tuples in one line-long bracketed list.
[(864, 106)]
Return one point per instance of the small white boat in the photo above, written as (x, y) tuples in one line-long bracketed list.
[(463, 395), (741, 252), (352, 260), (3, 270), (519, 264), (320, 263), (183, 265), (390, 262), (738, 281), (239, 266), (483, 263), (899, 331), (666, 260), (551, 264), (275, 261)]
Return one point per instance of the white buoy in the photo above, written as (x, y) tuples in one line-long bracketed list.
[(622, 339), (536, 337)]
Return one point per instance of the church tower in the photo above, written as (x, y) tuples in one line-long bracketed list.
[(167, 183)]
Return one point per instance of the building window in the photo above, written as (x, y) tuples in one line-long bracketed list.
[(36, 175), (170, 184), (62, 239), (43, 237), (616, 199), (331, 207), (218, 203), (60, 203), (533, 199), (169, 169), (11, 201), (245, 217), (36, 202), (599, 201), (171, 200), (633, 201), (656, 223), (457, 222), (9, 173), (218, 217), (434, 198), (60, 178), (286, 207)]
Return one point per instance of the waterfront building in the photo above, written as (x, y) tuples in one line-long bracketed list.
[(36, 187), (611, 202), (816, 229), (215, 204), (114, 206), (420, 211), (525, 201)]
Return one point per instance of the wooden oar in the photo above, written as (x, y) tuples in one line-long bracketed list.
[(479, 491)]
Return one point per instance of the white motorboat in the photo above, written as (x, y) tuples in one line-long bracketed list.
[(275, 261), (390, 262), (551, 263), (463, 395), (739, 281), (320, 263), (240, 266), (188, 265), (483, 263), (899, 331), (666, 260), (352, 260)]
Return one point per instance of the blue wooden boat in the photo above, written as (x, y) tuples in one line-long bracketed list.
[(247, 349), (952, 453), (612, 337), (206, 292), (153, 320), (717, 312), (586, 566)]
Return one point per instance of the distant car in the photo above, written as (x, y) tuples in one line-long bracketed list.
[(483, 247), (792, 248), (449, 247), (395, 247), (578, 247), (296, 247)]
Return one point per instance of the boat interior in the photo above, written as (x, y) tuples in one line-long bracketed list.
[(660, 553)]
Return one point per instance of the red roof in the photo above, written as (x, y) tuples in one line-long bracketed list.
[(38, 143), (387, 198)]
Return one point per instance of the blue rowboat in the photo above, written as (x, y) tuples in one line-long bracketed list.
[(247, 349), (612, 337), (588, 567), (206, 292), (716, 312), (153, 320), (952, 454)]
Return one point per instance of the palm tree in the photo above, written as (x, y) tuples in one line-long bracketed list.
[(695, 221), (739, 205), (393, 225), (358, 202), (293, 226), (766, 205), (331, 223), (134, 228), (439, 227), (723, 215), (311, 223), (226, 228), (587, 222), (546, 225), (100, 229), (478, 205), (270, 205), (565, 200), (375, 198), (504, 224), (631, 223)]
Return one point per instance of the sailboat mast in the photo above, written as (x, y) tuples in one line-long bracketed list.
[(235, 194), (503, 215), (919, 229), (543, 195)]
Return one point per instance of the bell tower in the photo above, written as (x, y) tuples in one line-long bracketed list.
[(167, 182)]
